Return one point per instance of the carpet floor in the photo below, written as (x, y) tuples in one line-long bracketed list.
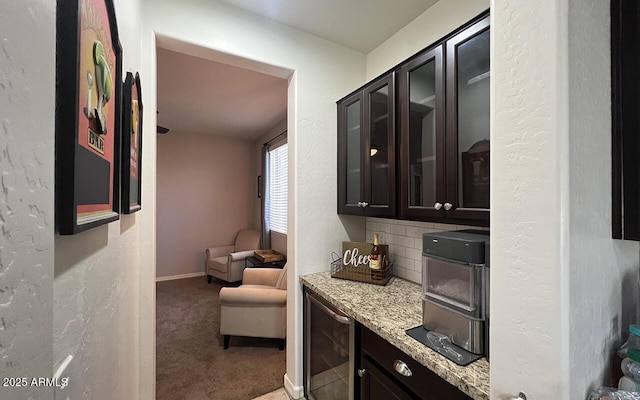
[(190, 361)]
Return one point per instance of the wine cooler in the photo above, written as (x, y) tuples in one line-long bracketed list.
[(329, 351)]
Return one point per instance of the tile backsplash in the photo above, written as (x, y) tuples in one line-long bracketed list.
[(405, 242)]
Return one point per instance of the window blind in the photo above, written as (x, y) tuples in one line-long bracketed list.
[(278, 183)]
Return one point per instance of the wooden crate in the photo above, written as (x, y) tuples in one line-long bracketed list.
[(266, 256)]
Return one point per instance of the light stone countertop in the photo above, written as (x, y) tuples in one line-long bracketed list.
[(389, 311)]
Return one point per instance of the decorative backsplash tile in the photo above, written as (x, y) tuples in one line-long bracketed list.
[(405, 242)]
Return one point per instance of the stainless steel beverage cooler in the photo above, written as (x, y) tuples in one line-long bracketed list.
[(455, 287)]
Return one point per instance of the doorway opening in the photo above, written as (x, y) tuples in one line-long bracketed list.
[(220, 110)]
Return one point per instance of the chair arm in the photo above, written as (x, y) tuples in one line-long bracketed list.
[(261, 276), (241, 255), (218, 251), (253, 296)]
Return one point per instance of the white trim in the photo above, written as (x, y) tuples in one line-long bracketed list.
[(179, 276), (296, 392)]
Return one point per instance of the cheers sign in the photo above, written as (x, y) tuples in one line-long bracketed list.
[(357, 254)]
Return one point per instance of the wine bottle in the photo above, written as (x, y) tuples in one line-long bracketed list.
[(375, 261)]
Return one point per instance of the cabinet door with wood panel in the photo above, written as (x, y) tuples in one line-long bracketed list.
[(385, 368), (375, 385), (366, 150)]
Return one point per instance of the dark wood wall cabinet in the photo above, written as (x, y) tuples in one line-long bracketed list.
[(387, 373), (625, 92), (367, 150), (439, 169)]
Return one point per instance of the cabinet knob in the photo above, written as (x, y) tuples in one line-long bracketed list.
[(359, 204), (361, 372), (402, 368), (437, 206), (521, 396), (447, 206), (364, 204)]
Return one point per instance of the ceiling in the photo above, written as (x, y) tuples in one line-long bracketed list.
[(361, 25), (201, 96), (205, 97)]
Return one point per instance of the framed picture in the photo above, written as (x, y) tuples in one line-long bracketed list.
[(88, 115), (131, 145)]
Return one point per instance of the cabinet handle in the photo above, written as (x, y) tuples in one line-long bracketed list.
[(402, 368), (340, 318), (521, 396), (447, 206), (364, 204), (361, 372), (437, 206), (359, 204)]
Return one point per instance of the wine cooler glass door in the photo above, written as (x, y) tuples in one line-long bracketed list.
[(329, 351)]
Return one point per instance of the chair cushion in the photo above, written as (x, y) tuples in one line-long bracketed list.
[(256, 286), (253, 296), (219, 264)]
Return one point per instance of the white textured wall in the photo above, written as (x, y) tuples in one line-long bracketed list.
[(604, 272), (27, 101), (205, 197), (530, 195), (96, 281), (430, 26), (147, 220), (561, 288), (324, 72)]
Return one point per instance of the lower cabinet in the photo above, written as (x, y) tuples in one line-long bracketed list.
[(385, 372), (376, 385)]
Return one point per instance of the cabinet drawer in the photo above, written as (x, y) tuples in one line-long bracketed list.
[(426, 384), (376, 385)]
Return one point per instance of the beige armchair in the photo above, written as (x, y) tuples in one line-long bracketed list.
[(227, 262), (257, 308)]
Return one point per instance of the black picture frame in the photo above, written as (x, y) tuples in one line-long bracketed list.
[(131, 190), (88, 115)]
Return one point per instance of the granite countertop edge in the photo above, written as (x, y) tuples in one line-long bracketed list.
[(404, 305)]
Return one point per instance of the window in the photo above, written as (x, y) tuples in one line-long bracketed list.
[(278, 182)]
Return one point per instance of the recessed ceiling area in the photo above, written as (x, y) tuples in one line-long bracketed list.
[(205, 97), (361, 25)]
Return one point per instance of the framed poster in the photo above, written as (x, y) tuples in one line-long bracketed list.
[(131, 145), (88, 120)]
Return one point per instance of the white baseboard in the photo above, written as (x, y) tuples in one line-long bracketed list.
[(296, 392), (180, 276)]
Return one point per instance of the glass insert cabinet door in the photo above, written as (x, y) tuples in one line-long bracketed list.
[(353, 152), (379, 150), (366, 150), (422, 136), (468, 86), (350, 161)]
